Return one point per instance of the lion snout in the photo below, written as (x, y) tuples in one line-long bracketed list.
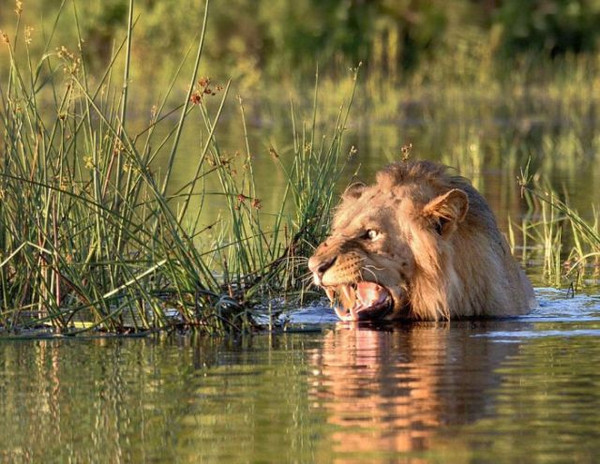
[(319, 265)]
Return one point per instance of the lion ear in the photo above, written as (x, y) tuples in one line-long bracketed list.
[(354, 191), (448, 210)]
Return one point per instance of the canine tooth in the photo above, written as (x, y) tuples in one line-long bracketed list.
[(330, 294), (348, 296), (341, 314)]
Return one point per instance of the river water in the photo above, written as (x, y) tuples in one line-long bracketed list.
[(517, 390)]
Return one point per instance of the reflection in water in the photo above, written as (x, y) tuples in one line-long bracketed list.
[(174, 399), (519, 390), (388, 391)]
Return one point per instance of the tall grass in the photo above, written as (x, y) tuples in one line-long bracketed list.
[(557, 235), (91, 238)]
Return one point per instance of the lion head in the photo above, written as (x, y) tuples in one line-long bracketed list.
[(419, 244)]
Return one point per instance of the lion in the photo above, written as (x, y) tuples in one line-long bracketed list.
[(420, 244)]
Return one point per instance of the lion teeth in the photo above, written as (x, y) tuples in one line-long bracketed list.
[(330, 292), (348, 296), (341, 314)]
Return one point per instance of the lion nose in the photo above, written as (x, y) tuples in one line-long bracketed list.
[(320, 267)]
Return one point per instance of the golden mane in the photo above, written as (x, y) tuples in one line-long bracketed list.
[(427, 240)]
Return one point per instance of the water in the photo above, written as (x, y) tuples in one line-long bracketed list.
[(515, 390)]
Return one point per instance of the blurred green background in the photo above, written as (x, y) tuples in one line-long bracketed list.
[(261, 40)]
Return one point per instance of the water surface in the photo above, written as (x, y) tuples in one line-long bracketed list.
[(523, 389)]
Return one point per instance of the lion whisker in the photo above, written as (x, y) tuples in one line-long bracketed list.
[(375, 267), (371, 269), (306, 279)]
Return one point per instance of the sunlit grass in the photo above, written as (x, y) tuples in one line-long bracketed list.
[(556, 234), (92, 237)]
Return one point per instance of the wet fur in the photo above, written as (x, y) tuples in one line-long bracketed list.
[(441, 250)]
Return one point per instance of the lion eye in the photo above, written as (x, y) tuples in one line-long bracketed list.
[(371, 234)]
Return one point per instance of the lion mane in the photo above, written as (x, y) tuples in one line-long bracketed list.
[(419, 244)]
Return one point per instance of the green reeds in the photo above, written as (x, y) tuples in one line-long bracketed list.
[(264, 255), (554, 233), (92, 236)]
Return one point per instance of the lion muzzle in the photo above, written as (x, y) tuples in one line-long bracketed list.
[(352, 298)]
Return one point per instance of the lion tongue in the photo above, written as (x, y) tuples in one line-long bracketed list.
[(370, 294), (364, 298)]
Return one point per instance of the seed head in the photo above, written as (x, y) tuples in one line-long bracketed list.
[(196, 98), (256, 204), (88, 162), (28, 31), (406, 151)]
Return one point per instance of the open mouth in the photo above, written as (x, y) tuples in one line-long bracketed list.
[(360, 301)]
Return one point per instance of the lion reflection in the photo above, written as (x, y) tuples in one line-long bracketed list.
[(390, 391)]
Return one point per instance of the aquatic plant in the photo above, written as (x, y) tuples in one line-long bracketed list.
[(92, 237), (556, 234)]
